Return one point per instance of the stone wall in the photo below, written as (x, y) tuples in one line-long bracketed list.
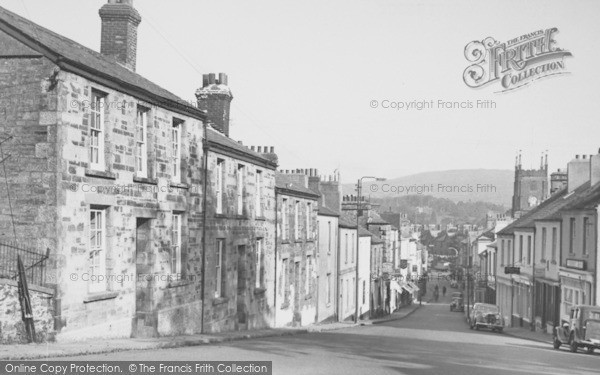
[(28, 114), (130, 304), (12, 328), (247, 307), (297, 288)]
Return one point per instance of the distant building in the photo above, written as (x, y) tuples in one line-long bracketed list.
[(296, 303), (530, 187)]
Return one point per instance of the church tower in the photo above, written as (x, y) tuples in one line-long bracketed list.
[(530, 187)]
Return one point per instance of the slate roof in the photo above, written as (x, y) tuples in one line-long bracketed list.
[(327, 212), (586, 199), (346, 221), (550, 209), (363, 232), (216, 137), (74, 57), (283, 184)]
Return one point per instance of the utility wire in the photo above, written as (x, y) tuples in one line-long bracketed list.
[(194, 67)]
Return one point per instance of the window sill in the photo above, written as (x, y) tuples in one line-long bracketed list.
[(285, 242), (298, 241), (220, 301), (260, 218), (100, 174), (553, 262), (241, 217), (308, 298), (179, 185), (145, 180), (285, 306), (260, 291), (102, 296), (310, 240), (221, 216)]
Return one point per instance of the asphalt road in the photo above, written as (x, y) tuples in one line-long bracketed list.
[(432, 340)]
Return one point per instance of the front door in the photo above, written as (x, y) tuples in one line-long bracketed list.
[(144, 324), (242, 288)]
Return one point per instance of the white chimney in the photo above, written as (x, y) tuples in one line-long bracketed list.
[(578, 173)]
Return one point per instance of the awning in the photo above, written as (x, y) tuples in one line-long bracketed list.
[(408, 288), (413, 286)]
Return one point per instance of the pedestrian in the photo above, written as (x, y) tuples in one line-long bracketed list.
[(444, 291)]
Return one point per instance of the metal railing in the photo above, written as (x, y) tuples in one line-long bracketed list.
[(34, 262)]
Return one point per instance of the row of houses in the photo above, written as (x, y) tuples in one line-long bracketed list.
[(552, 247), (154, 220)]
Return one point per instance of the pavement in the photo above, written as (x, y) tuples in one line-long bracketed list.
[(528, 334), (71, 349)]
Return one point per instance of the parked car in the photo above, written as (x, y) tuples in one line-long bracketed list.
[(457, 303), (582, 330), (485, 315)]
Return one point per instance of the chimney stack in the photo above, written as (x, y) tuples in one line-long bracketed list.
[(215, 97), (595, 168), (578, 173), (120, 22)]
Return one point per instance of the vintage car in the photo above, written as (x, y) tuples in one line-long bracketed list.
[(457, 303), (485, 315), (582, 330)]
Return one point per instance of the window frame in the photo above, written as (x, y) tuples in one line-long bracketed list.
[(572, 234), (176, 133), (97, 130), (219, 185), (241, 179), (141, 142), (297, 220), (259, 264), (258, 209), (220, 269), (97, 284), (176, 227), (284, 220)]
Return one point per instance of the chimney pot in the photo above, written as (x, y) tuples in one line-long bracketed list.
[(272, 150), (577, 157), (211, 78), (252, 148), (222, 79), (259, 149)]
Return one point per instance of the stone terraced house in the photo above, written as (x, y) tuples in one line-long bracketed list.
[(109, 172)]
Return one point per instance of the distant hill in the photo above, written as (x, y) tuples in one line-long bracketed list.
[(463, 185)]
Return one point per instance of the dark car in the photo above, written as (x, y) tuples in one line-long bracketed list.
[(582, 330), (485, 315)]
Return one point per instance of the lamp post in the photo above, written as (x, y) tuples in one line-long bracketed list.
[(358, 214)]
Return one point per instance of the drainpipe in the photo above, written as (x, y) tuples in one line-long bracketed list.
[(205, 149)]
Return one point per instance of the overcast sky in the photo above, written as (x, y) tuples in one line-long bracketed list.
[(304, 73)]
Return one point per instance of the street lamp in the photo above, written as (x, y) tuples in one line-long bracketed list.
[(358, 214)]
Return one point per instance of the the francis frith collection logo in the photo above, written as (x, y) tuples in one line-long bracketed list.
[(515, 63)]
